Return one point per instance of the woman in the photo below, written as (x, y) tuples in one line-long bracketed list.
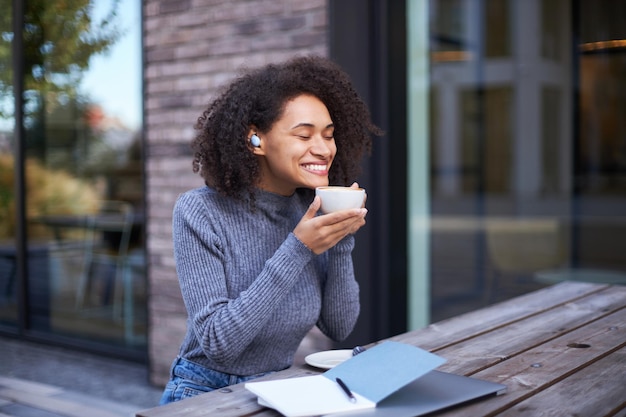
[(258, 267)]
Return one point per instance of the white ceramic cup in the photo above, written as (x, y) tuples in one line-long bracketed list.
[(335, 198)]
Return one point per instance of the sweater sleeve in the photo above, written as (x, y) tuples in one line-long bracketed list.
[(223, 326), (340, 306)]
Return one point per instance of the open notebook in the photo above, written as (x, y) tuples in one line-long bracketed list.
[(382, 378)]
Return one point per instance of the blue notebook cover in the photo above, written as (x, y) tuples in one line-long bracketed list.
[(370, 376), (384, 369)]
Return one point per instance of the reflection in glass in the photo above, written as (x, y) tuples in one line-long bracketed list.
[(8, 271), (600, 153), (83, 172), (528, 178)]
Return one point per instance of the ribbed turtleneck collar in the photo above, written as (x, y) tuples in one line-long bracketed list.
[(269, 202)]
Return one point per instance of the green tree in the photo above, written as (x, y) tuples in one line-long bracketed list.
[(60, 37)]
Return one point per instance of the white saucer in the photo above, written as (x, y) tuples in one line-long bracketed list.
[(329, 358)]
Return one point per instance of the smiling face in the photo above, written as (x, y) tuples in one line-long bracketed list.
[(298, 150)]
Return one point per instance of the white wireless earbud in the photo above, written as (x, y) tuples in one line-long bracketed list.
[(255, 141)]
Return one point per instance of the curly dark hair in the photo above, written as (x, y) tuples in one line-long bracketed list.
[(258, 98)]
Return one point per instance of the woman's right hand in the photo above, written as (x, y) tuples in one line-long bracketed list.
[(320, 233)]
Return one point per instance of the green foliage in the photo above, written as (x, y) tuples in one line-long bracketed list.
[(60, 37), (50, 192)]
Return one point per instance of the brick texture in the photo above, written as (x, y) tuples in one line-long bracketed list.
[(192, 47)]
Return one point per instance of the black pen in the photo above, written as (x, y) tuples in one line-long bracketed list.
[(345, 389)]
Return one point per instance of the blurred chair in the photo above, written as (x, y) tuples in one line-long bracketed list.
[(106, 252), (519, 248), (7, 270), (525, 253)]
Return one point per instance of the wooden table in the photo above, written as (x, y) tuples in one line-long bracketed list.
[(561, 351)]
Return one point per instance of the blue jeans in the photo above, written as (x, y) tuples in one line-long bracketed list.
[(188, 379)]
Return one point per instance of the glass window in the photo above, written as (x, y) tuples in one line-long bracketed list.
[(8, 271), (527, 178), (600, 145), (83, 171)]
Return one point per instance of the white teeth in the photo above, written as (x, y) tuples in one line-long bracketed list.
[(312, 167)]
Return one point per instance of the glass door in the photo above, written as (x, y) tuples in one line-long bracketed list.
[(82, 163), (600, 143), (527, 157), (500, 148), (8, 254)]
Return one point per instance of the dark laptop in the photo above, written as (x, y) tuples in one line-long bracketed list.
[(434, 391)]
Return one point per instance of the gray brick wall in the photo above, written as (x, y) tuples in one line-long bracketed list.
[(191, 48)]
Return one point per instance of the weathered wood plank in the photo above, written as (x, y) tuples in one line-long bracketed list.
[(499, 343), (472, 355), (34, 388), (620, 413), (54, 404), (551, 363), (439, 335), (577, 394), (236, 401)]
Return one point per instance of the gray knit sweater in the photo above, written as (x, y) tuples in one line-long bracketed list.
[(252, 290)]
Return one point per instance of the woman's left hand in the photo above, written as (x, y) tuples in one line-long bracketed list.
[(320, 233)]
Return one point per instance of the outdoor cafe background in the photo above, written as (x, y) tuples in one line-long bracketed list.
[(504, 153)]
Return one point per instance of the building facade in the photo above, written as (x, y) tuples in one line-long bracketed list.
[(502, 168), (191, 49)]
